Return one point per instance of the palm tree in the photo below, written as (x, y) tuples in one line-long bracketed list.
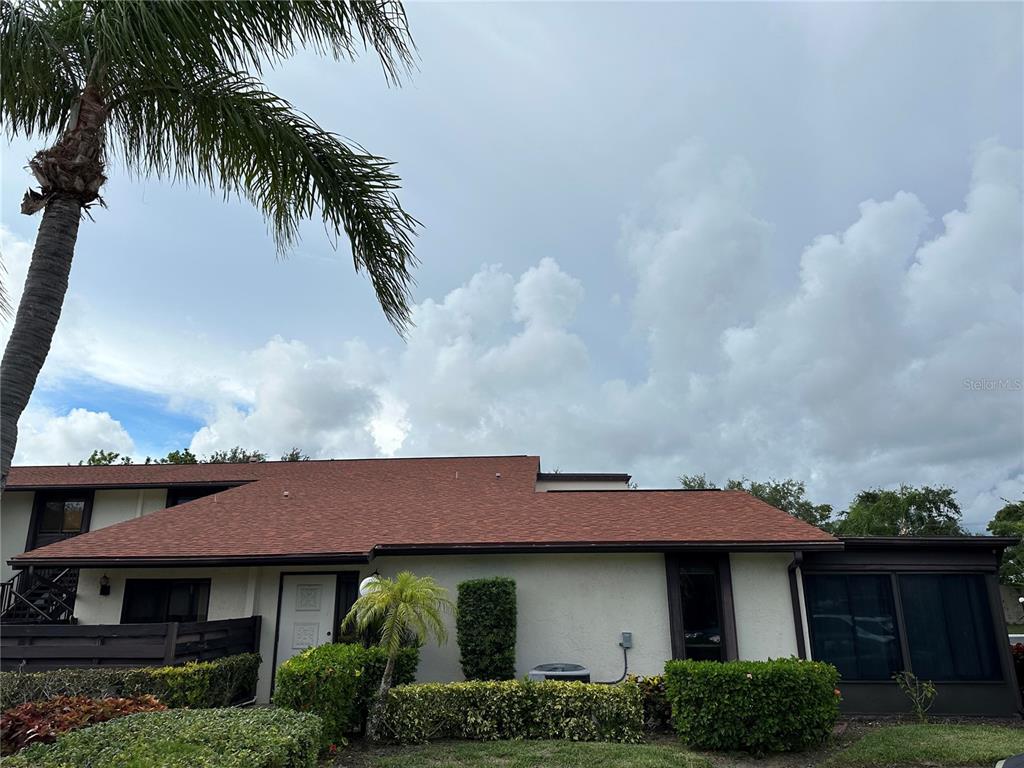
[(167, 87), (407, 606)]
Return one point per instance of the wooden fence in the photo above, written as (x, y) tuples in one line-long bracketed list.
[(36, 647)]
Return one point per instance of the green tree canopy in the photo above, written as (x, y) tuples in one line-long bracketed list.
[(908, 511), (101, 458), (788, 495), (1009, 521), (236, 455)]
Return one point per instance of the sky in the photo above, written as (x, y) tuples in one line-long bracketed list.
[(745, 240)]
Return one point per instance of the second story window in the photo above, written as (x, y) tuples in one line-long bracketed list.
[(59, 515)]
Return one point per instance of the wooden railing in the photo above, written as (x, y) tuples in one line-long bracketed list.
[(35, 647)]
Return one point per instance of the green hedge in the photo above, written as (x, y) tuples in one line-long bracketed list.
[(513, 709), (337, 682), (754, 706), (486, 627), (194, 738), (199, 684)]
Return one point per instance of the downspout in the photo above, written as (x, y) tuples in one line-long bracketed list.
[(798, 614)]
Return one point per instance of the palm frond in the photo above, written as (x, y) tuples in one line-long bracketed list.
[(406, 605), (242, 34), (223, 130), (41, 66)]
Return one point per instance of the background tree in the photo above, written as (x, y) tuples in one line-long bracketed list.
[(101, 458), (1009, 521), (236, 455), (295, 455), (909, 511), (172, 88), (788, 495), (403, 606), (696, 482), (184, 456)]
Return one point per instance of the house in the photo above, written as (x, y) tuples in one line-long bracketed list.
[(697, 574)]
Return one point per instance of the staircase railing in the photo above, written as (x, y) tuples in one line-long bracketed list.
[(24, 593)]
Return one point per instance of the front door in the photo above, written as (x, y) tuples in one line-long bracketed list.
[(307, 615)]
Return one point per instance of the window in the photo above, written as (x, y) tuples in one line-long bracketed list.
[(59, 515), (853, 624), (156, 600), (62, 516), (185, 494), (949, 627), (702, 626)]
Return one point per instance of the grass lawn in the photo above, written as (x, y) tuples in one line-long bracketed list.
[(931, 745), (1015, 629), (524, 754)]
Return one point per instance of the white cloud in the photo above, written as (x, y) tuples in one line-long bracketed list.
[(844, 367), (48, 438)]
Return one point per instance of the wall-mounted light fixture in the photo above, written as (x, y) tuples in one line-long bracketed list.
[(366, 584), (104, 585)]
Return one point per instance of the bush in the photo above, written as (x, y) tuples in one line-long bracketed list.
[(337, 682), (40, 722), (196, 738), (374, 661), (513, 709), (486, 627), (657, 710), (755, 706), (217, 683)]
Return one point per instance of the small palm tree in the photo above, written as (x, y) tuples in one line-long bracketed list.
[(406, 606), (172, 89)]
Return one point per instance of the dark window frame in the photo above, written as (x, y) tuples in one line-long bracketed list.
[(201, 614), (901, 628), (674, 564), (39, 501), (176, 492)]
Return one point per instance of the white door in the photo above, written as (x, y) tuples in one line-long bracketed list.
[(307, 613)]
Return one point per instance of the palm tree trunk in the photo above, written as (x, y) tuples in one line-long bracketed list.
[(373, 724), (38, 313), (70, 175)]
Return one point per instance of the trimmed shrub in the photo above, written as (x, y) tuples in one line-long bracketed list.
[(513, 709), (657, 710), (375, 659), (337, 682), (754, 706), (195, 738), (40, 722), (216, 683), (486, 627)]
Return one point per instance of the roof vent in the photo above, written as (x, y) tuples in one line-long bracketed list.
[(497, 475), (285, 494)]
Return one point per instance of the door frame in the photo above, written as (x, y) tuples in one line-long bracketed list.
[(340, 578)]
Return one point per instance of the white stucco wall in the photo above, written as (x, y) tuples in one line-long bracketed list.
[(229, 591), (763, 606), (15, 513), (570, 608), (116, 506)]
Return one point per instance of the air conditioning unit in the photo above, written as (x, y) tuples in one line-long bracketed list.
[(560, 672)]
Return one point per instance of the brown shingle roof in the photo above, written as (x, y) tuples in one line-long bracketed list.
[(358, 508)]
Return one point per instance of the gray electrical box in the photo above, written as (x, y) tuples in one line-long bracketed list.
[(627, 640)]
